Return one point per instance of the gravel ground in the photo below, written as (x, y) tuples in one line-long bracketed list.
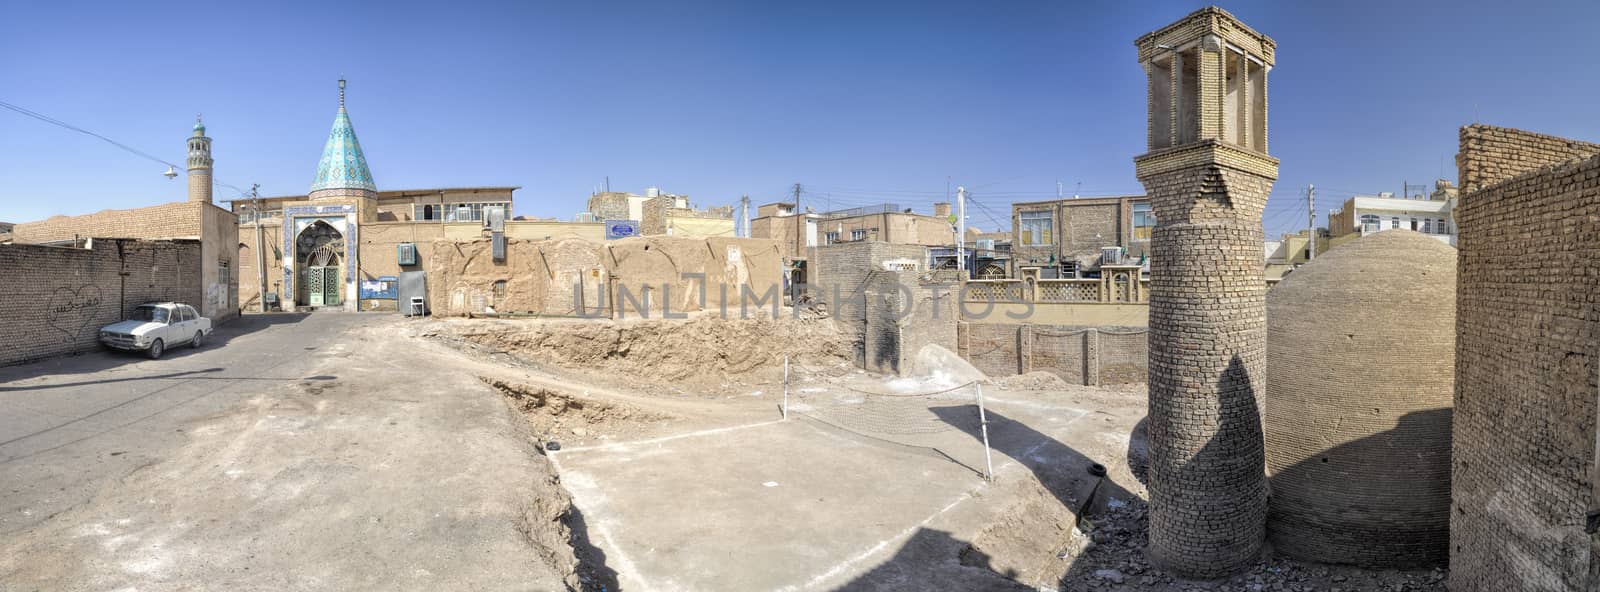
[(1111, 557)]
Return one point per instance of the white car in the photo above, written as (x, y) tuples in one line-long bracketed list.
[(156, 326)]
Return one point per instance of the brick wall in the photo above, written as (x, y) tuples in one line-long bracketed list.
[(1527, 322), (1492, 154), (1077, 354), (55, 299), (839, 276), (173, 220), (1360, 375)]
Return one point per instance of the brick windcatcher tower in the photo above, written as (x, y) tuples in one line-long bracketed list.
[(199, 164), (1208, 176)]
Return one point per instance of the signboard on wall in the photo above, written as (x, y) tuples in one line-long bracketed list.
[(383, 288), (616, 229)]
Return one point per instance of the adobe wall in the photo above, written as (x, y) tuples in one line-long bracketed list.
[(215, 227), (55, 299), (172, 220), (840, 277), (219, 273), (540, 277), (904, 314), (572, 276), (1101, 355), (1528, 323), (1492, 154)]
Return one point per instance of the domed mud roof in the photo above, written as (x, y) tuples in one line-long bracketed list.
[(1360, 377)]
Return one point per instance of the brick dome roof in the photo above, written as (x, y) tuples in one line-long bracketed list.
[(1360, 378)]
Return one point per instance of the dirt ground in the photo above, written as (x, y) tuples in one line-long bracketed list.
[(684, 476), (371, 452)]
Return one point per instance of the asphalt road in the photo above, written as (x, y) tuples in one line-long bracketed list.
[(293, 452), (71, 424)]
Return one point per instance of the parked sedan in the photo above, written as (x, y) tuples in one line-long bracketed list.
[(156, 326)]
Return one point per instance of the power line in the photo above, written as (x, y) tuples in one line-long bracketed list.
[(56, 122)]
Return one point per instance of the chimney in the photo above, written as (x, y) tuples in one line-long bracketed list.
[(941, 209)]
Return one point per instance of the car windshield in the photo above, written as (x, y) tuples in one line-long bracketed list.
[(150, 314)]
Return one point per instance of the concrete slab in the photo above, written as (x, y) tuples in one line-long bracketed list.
[(785, 505)]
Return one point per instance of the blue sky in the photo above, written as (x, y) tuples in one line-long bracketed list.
[(862, 102)]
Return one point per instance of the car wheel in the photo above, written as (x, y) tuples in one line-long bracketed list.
[(199, 339), (156, 349)]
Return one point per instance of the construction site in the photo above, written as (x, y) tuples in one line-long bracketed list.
[(677, 413)]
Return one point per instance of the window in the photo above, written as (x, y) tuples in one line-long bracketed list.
[(1036, 228), (499, 294), (858, 235), (829, 238), (150, 314), (1440, 225), (1394, 223), (1370, 223), (469, 212), (1427, 226), (1143, 220), (425, 212)]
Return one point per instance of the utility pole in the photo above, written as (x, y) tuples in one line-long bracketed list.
[(744, 215), (800, 225), (261, 252), (1311, 223), (961, 231)]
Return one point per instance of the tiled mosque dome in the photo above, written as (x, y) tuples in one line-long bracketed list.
[(1360, 379)]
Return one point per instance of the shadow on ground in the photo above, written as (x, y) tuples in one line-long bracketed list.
[(934, 559)]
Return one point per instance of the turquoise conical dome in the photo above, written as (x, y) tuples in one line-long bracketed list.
[(343, 165)]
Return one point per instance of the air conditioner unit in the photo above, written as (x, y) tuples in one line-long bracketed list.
[(1111, 255), (407, 254), (985, 244)]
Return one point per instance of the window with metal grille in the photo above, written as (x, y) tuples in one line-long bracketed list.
[(1037, 227)]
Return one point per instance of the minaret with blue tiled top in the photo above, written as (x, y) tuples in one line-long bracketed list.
[(343, 170)]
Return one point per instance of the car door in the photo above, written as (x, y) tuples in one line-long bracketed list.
[(182, 326), (194, 321)]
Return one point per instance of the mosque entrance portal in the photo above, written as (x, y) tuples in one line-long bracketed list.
[(320, 250)]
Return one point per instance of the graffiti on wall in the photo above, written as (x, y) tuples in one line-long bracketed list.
[(71, 310)]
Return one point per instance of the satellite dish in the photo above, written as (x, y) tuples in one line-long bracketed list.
[(171, 172)]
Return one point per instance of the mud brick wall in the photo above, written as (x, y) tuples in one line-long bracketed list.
[(1079, 355), (1207, 369), (1360, 380), (54, 300), (1492, 154), (839, 277), (1528, 324), (173, 220)]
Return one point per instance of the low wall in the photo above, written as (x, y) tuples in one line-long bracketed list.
[(55, 299), (1077, 354)]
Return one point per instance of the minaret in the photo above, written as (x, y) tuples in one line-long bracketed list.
[(1208, 175), (199, 164), (343, 170)]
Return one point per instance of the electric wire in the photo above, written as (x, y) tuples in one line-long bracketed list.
[(56, 122)]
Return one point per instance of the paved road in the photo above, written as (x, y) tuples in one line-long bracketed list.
[(292, 452), (71, 424)]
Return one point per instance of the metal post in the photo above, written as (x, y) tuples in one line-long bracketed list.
[(1311, 212), (983, 424), (961, 232), (786, 386)]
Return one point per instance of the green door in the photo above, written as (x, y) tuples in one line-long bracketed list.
[(322, 285), (314, 285), (331, 285)]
